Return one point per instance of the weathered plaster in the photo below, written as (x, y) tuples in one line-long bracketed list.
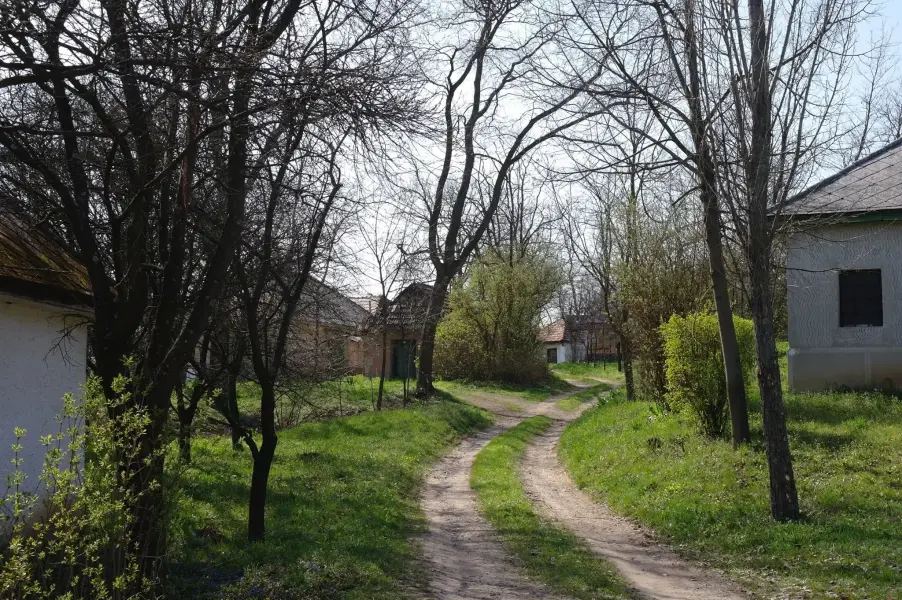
[(823, 354)]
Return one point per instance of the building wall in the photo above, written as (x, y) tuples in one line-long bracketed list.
[(563, 351), (823, 354), (372, 352), (36, 370)]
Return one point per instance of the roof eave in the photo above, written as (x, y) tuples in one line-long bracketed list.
[(48, 294), (831, 218)]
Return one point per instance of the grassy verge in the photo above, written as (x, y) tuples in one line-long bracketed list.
[(307, 401), (714, 502), (534, 392), (588, 372), (342, 507), (574, 401), (549, 553)]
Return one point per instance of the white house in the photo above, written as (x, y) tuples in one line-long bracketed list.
[(844, 277), (577, 338), (44, 311)]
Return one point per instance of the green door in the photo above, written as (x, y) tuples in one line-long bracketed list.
[(403, 359)]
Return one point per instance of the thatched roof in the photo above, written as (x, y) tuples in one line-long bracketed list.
[(33, 266)]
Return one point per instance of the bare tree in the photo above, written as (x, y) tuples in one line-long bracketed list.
[(654, 56), (384, 236), (107, 112), (492, 52)]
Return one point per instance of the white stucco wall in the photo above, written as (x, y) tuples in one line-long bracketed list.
[(823, 354), (36, 370), (563, 351)]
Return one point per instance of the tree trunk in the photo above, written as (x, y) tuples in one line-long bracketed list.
[(184, 440), (739, 414), (707, 182), (784, 499), (231, 403), (147, 529), (626, 356), (256, 520), (425, 387), (382, 367)]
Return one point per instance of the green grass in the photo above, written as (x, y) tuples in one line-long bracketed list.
[(532, 392), (309, 401), (714, 502), (548, 553), (574, 401), (588, 372), (342, 507)]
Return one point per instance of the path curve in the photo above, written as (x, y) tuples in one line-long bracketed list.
[(463, 554), (653, 570)]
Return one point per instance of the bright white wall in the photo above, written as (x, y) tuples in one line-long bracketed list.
[(36, 370), (563, 353)]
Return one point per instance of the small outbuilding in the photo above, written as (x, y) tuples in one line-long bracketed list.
[(401, 321), (45, 308), (578, 338), (844, 277)]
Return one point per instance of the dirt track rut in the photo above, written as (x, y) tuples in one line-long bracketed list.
[(465, 557)]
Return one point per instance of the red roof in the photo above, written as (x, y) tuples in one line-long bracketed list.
[(556, 332)]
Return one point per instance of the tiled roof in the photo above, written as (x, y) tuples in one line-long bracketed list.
[(34, 266), (873, 184), (563, 330), (325, 305), (553, 333)]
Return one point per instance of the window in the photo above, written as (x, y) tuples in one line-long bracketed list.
[(552, 355), (860, 298)]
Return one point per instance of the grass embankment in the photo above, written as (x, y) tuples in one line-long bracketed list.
[(307, 401), (531, 392), (588, 372), (592, 394), (327, 399), (342, 507), (549, 553), (714, 501)]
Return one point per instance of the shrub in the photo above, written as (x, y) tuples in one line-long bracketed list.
[(491, 331), (69, 539), (694, 366)]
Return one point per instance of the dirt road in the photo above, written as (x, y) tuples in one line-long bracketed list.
[(465, 557), (652, 569)]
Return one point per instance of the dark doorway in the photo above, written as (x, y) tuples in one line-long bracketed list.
[(403, 359), (551, 354)]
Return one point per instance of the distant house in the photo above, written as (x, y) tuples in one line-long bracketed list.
[(844, 277), (327, 333), (576, 338), (45, 306), (402, 319)]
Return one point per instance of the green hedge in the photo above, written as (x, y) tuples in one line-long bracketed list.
[(694, 366)]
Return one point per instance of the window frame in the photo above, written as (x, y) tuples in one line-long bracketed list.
[(852, 308)]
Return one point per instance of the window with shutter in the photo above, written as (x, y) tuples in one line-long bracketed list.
[(860, 298)]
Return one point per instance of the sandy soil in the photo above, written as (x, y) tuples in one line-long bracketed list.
[(464, 556), (466, 560)]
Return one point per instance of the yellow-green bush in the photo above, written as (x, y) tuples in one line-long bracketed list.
[(491, 332), (71, 541), (694, 366)]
